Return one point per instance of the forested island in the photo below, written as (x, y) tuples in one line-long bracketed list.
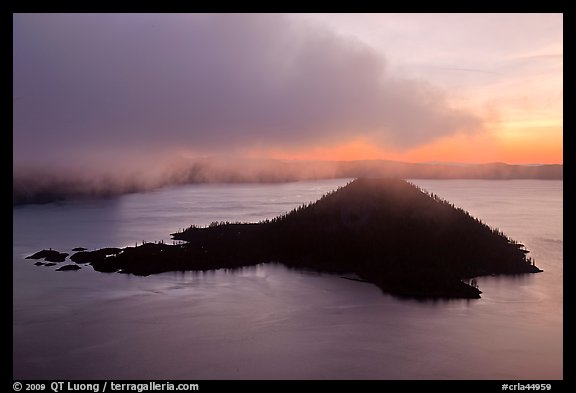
[(385, 231)]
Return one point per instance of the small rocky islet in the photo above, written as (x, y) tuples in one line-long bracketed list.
[(388, 232), (49, 255)]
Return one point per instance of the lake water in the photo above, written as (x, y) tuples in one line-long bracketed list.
[(268, 322)]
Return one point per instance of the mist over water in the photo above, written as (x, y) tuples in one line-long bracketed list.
[(270, 322), (130, 174)]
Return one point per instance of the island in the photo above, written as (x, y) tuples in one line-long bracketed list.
[(384, 231), (49, 255)]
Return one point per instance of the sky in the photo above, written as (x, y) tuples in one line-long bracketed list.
[(120, 90)]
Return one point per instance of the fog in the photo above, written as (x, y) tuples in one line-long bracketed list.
[(128, 96), (39, 186)]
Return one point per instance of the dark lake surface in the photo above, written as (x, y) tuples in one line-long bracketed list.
[(269, 322)]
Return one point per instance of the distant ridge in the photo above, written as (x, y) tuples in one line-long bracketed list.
[(439, 170), (386, 231), (43, 187)]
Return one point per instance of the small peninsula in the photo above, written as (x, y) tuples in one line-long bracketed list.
[(385, 231)]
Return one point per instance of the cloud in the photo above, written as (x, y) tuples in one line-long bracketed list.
[(92, 84)]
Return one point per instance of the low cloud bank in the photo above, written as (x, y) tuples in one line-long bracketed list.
[(42, 187)]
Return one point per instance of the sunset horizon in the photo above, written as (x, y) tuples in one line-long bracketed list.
[(452, 152)]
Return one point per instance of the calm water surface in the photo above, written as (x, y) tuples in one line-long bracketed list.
[(268, 322)]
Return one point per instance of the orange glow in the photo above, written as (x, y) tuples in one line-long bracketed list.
[(513, 145), (355, 150), (532, 145)]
